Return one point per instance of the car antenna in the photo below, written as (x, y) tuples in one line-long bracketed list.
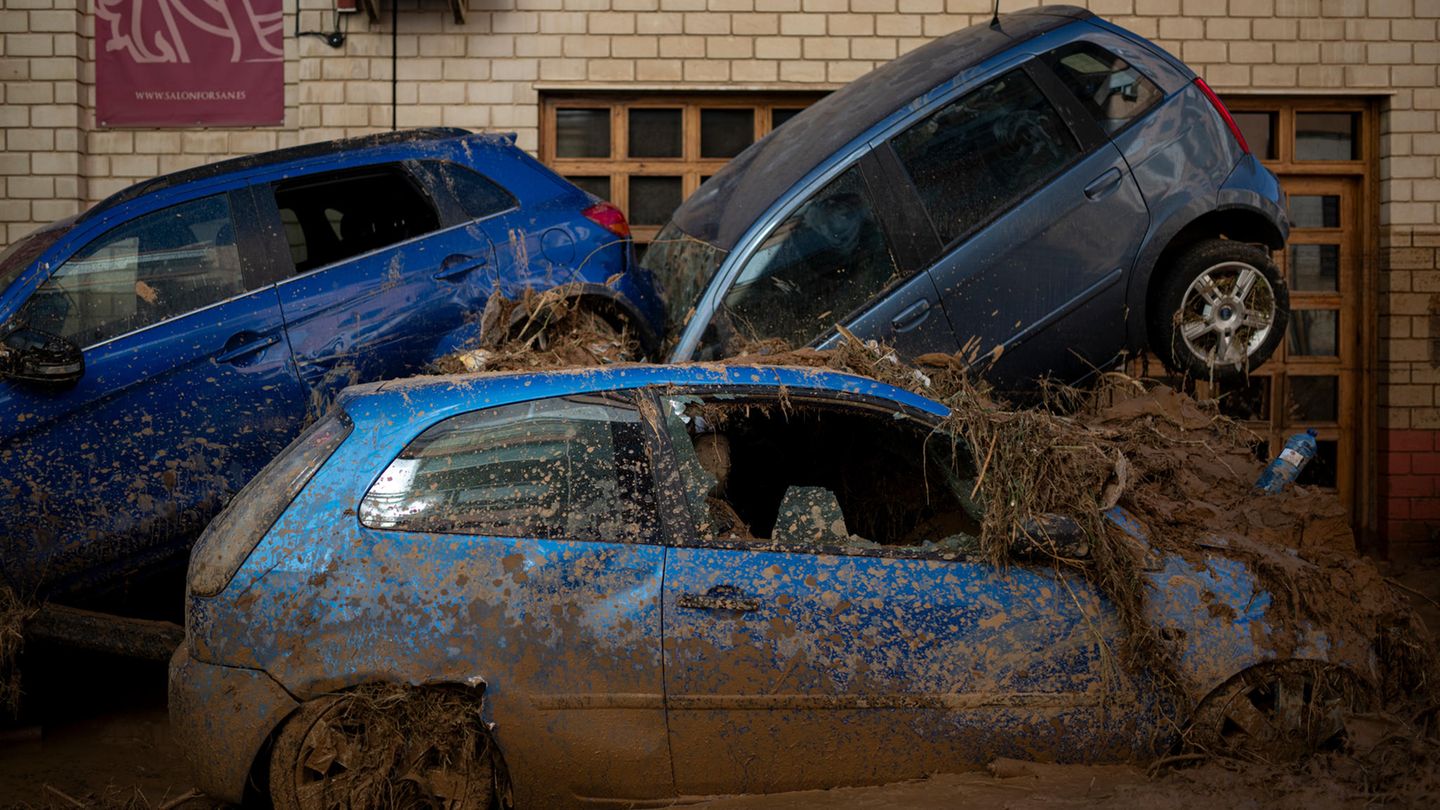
[(995, 20)]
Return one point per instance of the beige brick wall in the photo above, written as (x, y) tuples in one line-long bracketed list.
[(41, 114), (488, 74), (484, 73)]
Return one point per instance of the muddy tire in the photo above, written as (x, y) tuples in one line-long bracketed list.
[(1220, 310), (387, 747), (1278, 712)]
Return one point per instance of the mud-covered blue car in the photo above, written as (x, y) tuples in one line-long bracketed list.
[(1044, 194), (647, 584), (158, 349)]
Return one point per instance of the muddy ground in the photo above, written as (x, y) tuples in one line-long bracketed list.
[(96, 734)]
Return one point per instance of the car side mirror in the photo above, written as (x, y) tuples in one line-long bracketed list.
[(29, 355), (1047, 535)]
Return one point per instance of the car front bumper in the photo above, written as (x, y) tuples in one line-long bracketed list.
[(220, 717)]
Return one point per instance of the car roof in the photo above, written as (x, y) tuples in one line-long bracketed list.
[(277, 157), (441, 395), (725, 206)]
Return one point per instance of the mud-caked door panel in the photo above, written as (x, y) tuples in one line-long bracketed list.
[(512, 547), (1039, 229), (756, 674), (380, 287), (187, 392), (789, 671), (825, 624)]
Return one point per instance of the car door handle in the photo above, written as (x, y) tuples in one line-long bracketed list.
[(1104, 184), (911, 316), (458, 265), (243, 344), (721, 597)]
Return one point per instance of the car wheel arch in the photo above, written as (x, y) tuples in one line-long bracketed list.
[(613, 306), (1240, 223), (1360, 689), (257, 782)]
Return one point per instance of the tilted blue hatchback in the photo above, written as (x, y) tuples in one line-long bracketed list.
[(161, 347), (657, 582), (1044, 195)]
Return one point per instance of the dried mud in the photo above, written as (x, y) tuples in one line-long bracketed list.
[(1187, 473)]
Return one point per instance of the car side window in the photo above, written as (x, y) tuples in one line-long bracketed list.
[(983, 152), (817, 476), (151, 269), (478, 195), (826, 260), (1113, 91), (332, 217), (573, 468)]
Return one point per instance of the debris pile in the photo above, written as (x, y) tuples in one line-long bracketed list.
[(538, 331), (391, 746), (1187, 473)]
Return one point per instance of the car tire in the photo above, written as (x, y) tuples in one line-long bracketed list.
[(1203, 324), (1278, 712), (365, 749)]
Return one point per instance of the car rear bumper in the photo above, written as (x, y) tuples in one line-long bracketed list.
[(220, 717)]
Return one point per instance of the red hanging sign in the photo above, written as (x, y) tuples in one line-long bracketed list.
[(189, 62)]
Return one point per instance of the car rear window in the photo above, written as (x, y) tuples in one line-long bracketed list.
[(573, 468), (1108, 86), (478, 195), (981, 153)]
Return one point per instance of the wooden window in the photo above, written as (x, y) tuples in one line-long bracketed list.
[(647, 153), (1323, 151)]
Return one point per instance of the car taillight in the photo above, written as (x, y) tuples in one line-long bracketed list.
[(1224, 113), (608, 217), (235, 532)]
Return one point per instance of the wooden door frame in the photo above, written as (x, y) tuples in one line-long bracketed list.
[(1365, 496)]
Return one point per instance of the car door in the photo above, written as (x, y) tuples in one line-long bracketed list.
[(844, 255), (187, 391), (801, 658), (523, 540), (382, 280), (1040, 221)]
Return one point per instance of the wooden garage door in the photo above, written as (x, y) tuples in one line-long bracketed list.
[(1322, 150)]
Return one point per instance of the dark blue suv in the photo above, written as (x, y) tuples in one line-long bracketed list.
[(1043, 194), (161, 347)]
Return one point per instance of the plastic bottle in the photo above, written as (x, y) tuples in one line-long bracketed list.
[(1287, 466)]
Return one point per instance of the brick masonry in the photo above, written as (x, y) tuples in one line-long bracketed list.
[(488, 74)]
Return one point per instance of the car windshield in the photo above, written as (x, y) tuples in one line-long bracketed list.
[(683, 267), (18, 256)]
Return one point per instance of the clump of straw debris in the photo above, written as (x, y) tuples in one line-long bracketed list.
[(394, 746), (543, 330), (13, 615)]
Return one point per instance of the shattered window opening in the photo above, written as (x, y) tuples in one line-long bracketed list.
[(820, 476), (573, 468)]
